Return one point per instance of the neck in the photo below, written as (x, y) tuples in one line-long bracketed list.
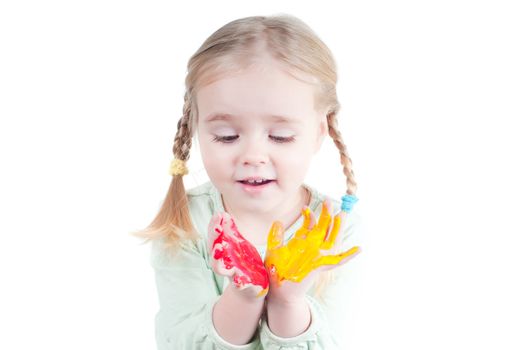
[(287, 214)]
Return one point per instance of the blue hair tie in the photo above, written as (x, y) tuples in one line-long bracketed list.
[(348, 201)]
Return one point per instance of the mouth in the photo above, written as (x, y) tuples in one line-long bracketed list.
[(256, 183)]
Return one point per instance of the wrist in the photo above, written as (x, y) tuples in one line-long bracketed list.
[(247, 296), (286, 301), (236, 317), (288, 318)]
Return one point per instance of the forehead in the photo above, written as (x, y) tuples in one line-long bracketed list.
[(262, 92)]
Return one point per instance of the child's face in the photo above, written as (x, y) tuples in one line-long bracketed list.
[(251, 142)]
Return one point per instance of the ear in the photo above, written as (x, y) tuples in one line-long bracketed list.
[(322, 131)]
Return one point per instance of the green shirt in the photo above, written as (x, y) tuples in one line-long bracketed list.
[(188, 287)]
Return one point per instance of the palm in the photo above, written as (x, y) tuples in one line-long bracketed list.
[(235, 257), (310, 248)]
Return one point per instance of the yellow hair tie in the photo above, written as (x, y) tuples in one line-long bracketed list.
[(178, 167)]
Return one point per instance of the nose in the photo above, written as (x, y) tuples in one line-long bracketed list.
[(255, 153), (254, 159)]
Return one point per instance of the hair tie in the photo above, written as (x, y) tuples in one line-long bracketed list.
[(348, 201), (178, 167)]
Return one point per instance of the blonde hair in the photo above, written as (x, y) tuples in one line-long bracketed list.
[(231, 48)]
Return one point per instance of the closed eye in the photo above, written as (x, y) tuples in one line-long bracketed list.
[(282, 139), (231, 139), (225, 139)]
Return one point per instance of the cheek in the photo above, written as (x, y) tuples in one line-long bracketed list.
[(215, 159), (296, 162)]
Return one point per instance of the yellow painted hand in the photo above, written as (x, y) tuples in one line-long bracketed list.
[(309, 249)]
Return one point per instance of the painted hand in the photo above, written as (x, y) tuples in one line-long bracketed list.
[(235, 257), (309, 252)]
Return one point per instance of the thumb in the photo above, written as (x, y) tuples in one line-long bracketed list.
[(215, 228)]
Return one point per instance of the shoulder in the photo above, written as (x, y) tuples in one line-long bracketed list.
[(204, 189), (202, 203)]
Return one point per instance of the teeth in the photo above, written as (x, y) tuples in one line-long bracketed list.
[(255, 181)]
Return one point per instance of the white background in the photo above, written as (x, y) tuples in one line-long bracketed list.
[(433, 101)]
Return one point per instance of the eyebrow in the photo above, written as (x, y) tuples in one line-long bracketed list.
[(228, 117)]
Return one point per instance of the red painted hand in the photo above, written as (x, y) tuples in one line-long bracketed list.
[(235, 257)]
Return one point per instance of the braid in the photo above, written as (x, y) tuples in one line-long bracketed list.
[(183, 138), (345, 160)]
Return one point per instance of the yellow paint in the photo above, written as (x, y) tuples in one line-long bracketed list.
[(303, 253)]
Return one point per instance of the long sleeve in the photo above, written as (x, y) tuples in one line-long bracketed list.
[(187, 292), (317, 336)]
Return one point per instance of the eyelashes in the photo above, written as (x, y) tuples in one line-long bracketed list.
[(231, 139)]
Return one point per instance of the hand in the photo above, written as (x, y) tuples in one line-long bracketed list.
[(235, 257), (302, 256)]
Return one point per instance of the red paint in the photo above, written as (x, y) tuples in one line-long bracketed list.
[(236, 251)]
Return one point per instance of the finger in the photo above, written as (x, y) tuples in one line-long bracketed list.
[(343, 261), (312, 220), (307, 225), (337, 259), (307, 217), (331, 236), (275, 237), (319, 231), (348, 258)]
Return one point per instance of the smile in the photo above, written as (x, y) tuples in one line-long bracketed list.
[(257, 187)]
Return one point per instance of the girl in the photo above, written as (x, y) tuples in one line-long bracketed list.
[(260, 97)]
